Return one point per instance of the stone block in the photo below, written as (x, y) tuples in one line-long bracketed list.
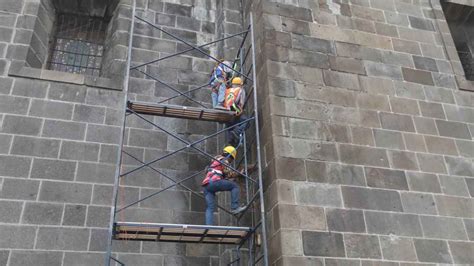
[(441, 145), (386, 30), (441, 95), (323, 244), (388, 139), (103, 134), (14, 166), (334, 173), (431, 163), (362, 136), (414, 142), (312, 44), (341, 80), (371, 199), (284, 39), (396, 18), (95, 173), (21, 125), (470, 186), (362, 246), (403, 160), (10, 211), (373, 85), (176, 9), (81, 151), (462, 252), (349, 65), (17, 237), (383, 70), (418, 203), (453, 129), (443, 228), (417, 76), (167, 200), (64, 130), (469, 223), (341, 262), (385, 178), (108, 98), (295, 26), (290, 168), (50, 109), (98, 216), (316, 60), (373, 102), (80, 259), (281, 54), (406, 46), (404, 106), (287, 10), (460, 166), (397, 248), (465, 148), (397, 122), (422, 24), (89, 114), (303, 261), (62, 238), (393, 223), (19, 189), (432, 251), (363, 155), (42, 213), (30, 257), (299, 217), (298, 148), (455, 206), (409, 90), (425, 63), (283, 88), (147, 138), (53, 169), (425, 125), (65, 192), (35, 147), (455, 186), (367, 13), (342, 220), (305, 195), (74, 215), (434, 110), (358, 52), (14, 105)]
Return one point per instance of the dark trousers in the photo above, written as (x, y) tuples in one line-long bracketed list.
[(210, 195)]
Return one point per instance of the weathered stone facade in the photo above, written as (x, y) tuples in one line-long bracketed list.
[(368, 135), (368, 130)]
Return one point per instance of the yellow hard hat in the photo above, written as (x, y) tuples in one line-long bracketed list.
[(231, 150), (237, 81)]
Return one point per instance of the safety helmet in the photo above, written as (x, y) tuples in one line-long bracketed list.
[(237, 81), (231, 150), (227, 66)]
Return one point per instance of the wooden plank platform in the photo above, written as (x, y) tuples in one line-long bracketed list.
[(185, 112), (185, 233)]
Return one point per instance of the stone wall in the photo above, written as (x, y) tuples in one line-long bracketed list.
[(367, 135), (59, 134)]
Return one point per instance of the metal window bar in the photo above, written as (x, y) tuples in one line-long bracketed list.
[(253, 186)]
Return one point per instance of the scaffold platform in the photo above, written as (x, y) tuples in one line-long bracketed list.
[(178, 111), (182, 233)]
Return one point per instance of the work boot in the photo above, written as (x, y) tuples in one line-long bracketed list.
[(238, 210), (220, 107)]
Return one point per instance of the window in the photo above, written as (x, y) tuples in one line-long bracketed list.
[(460, 20), (78, 44)]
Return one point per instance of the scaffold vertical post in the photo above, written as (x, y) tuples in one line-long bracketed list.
[(108, 256), (257, 133)]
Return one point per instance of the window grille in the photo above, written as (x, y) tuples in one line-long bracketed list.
[(78, 45)]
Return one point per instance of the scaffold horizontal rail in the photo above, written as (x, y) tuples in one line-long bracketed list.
[(183, 233), (178, 111)]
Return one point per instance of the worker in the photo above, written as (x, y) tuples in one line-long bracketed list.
[(234, 101), (219, 77), (218, 178)]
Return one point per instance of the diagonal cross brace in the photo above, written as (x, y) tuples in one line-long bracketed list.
[(193, 46)]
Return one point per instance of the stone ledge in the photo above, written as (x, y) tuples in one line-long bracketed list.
[(18, 69)]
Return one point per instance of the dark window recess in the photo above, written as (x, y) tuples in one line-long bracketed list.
[(467, 60), (78, 44), (460, 20)]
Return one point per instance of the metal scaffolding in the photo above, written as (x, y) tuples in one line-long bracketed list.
[(249, 239)]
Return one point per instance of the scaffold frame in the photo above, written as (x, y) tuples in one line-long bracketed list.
[(252, 236)]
